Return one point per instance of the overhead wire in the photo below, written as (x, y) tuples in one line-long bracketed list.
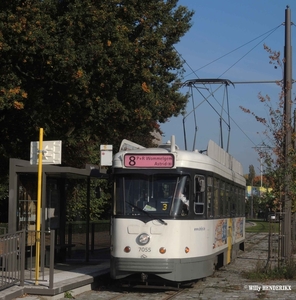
[(211, 94), (250, 51), (272, 30), (268, 33)]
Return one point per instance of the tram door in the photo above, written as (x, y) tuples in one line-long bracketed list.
[(229, 240)]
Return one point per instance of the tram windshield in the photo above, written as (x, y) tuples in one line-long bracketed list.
[(138, 194)]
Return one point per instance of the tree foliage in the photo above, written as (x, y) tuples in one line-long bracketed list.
[(276, 128), (88, 72), (251, 176), (99, 206)]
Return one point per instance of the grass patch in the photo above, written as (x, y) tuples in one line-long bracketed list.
[(68, 295), (264, 272), (262, 226)]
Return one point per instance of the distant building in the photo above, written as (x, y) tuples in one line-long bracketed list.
[(256, 191)]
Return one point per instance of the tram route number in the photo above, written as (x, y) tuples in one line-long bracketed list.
[(144, 249)]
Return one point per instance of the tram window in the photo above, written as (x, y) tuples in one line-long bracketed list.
[(222, 199), (242, 201), (180, 204), (209, 197), (239, 209), (227, 200), (216, 197), (233, 202), (231, 205), (199, 195), (185, 198), (118, 205)]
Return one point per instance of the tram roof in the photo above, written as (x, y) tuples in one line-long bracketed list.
[(216, 160)]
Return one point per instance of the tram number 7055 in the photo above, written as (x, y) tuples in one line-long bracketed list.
[(144, 249)]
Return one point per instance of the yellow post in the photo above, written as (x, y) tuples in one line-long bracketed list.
[(38, 206)]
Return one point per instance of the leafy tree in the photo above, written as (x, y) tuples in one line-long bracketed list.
[(276, 127), (76, 201), (88, 72), (251, 175), (250, 181)]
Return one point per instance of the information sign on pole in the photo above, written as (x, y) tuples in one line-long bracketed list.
[(51, 153)]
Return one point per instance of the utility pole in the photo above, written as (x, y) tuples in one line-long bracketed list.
[(261, 164), (286, 228)]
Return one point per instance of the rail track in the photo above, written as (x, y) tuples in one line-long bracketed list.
[(145, 294), (112, 290)]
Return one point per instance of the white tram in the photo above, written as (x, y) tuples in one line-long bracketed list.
[(155, 231)]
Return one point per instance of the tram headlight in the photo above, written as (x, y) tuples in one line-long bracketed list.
[(143, 239), (127, 249), (187, 249), (162, 250)]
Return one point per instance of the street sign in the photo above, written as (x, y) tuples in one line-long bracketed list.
[(106, 155), (51, 153)]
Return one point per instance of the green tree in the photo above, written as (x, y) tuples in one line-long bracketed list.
[(251, 176), (88, 72), (276, 127)]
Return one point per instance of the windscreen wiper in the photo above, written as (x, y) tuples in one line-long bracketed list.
[(147, 213)]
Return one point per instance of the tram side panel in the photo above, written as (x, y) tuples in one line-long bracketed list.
[(238, 235)]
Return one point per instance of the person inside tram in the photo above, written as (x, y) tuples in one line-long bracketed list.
[(183, 198)]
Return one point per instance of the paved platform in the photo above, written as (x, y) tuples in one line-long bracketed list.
[(73, 278)]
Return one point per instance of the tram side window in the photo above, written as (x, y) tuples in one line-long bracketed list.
[(242, 201), (118, 208), (227, 200), (216, 197), (186, 197), (209, 197), (199, 194), (231, 196), (222, 199), (239, 202), (234, 202)]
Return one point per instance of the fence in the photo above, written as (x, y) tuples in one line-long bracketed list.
[(12, 259), (18, 253), (17, 258)]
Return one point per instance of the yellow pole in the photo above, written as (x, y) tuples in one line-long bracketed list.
[(38, 206)]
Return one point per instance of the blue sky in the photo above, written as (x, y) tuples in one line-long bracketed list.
[(220, 27)]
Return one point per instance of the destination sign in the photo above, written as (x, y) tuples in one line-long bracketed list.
[(149, 161)]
